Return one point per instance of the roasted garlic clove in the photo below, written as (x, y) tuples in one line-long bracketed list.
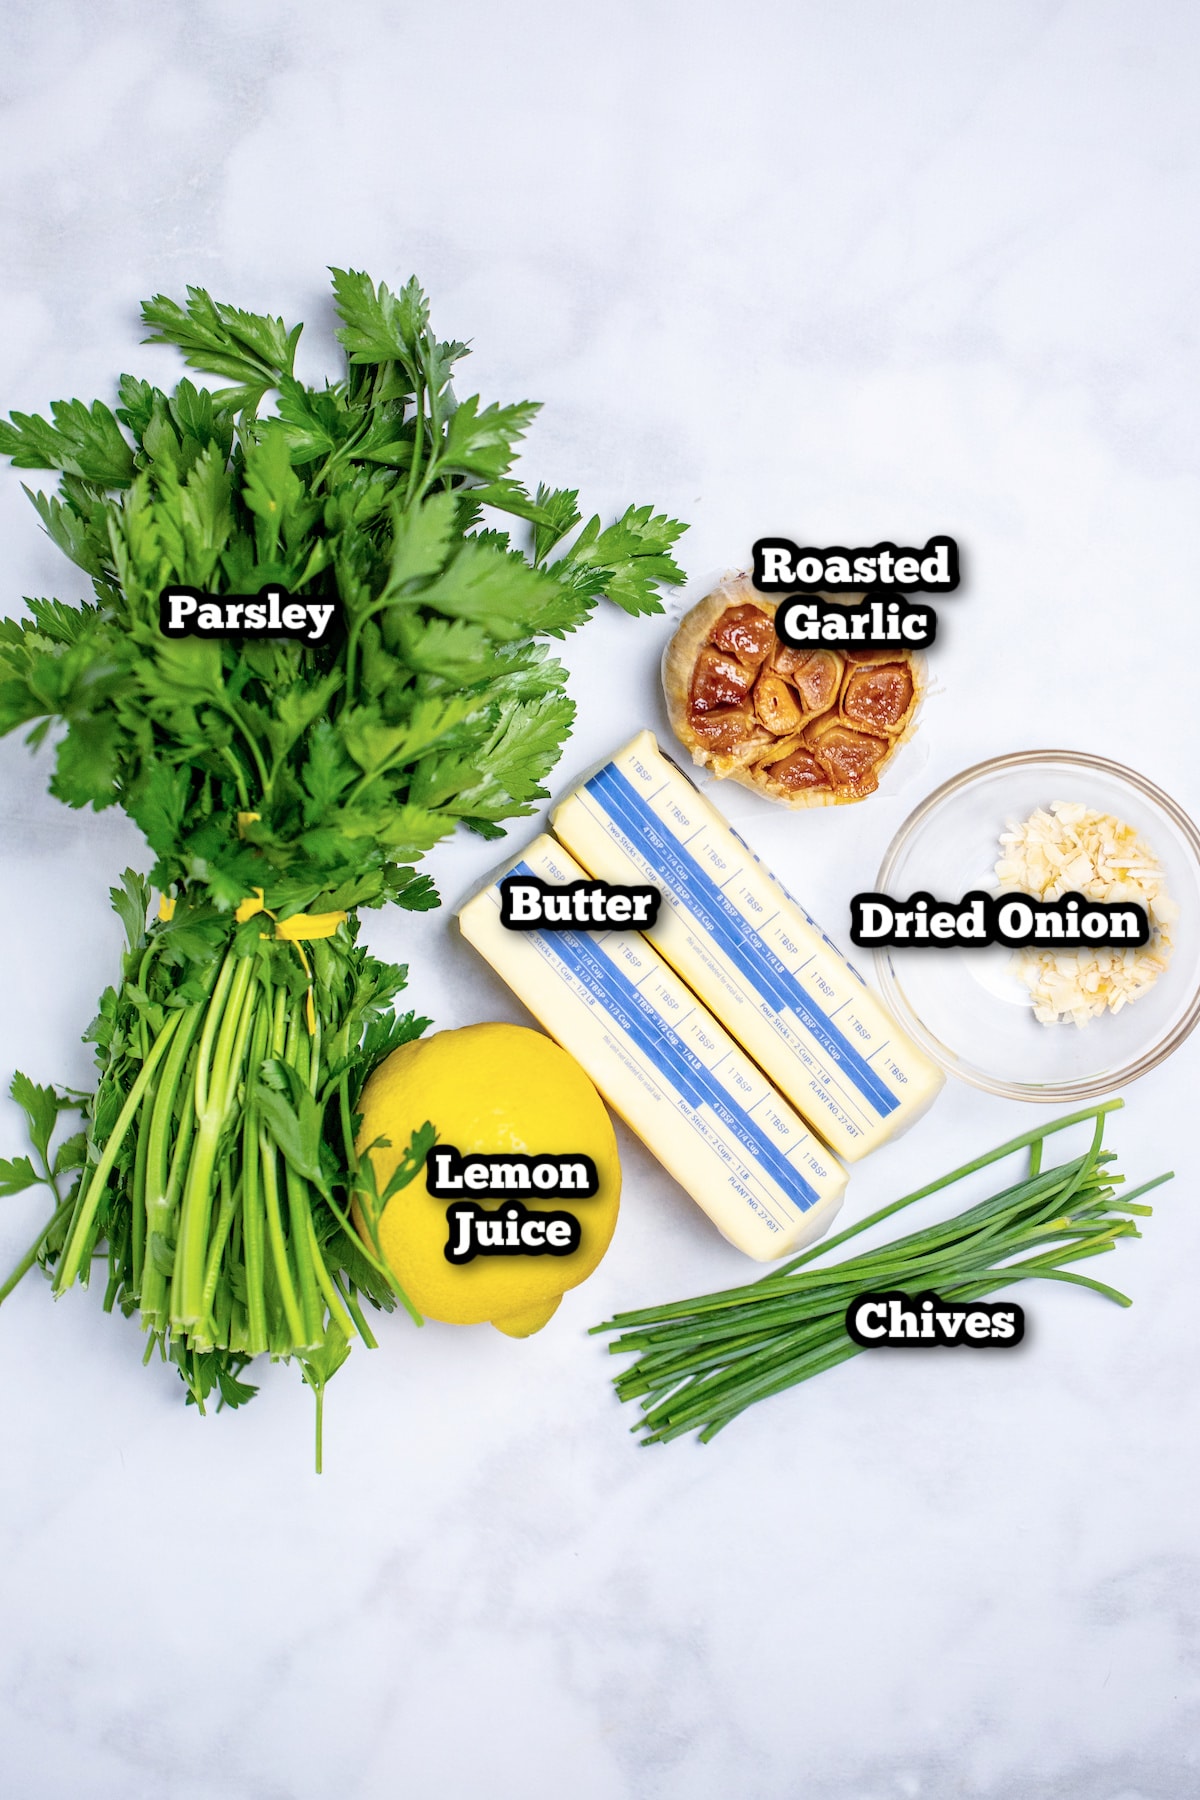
[(849, 758), (879, 696), (776, 749), (817, 683), (745, 632), (719, 681), (788, 661), (800, 773), (730, 729), (775, 705)]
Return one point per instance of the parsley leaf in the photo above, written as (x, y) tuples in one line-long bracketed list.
[(484, 443), (630, 558), (83, 440), (251, 349), (379, 326)]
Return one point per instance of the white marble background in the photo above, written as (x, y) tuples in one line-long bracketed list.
[(845, 271)]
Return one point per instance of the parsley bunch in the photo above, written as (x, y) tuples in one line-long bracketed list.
[(219, 1171)]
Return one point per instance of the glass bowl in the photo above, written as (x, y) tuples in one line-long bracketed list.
[(965, 1007)]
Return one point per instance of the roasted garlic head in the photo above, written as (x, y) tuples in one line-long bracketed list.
[(806, 727)]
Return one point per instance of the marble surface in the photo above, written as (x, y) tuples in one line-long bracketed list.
[(842, 272)]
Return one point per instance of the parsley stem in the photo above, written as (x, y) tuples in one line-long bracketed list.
[(361, 618), (243, 792), (62, 1212), (218, 1070), (360, 1324), (251, 742), (137, 1244), (230, 1195), (301, 1241), (328, 1286), (253, 1220), (161, 1202), (414, 467), (90, 1195), (279, 1255)]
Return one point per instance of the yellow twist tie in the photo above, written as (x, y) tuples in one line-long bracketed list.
[(306, 926), (247, 908), (300, 929)]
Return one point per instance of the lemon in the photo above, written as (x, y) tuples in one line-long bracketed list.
[(498, 1088)]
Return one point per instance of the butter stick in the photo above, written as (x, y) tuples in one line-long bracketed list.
[(666, 1067), (750, 951)]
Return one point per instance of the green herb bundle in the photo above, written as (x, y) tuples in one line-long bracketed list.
[(280, 785), (702, 1362)]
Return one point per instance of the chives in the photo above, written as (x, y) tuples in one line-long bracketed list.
[(701, 1362)]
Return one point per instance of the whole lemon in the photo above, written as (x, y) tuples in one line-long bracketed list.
[(488, 1088)]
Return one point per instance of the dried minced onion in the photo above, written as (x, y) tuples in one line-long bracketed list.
[(1073, 849)]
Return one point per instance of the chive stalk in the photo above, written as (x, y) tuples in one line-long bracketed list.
[(701, 1362)]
